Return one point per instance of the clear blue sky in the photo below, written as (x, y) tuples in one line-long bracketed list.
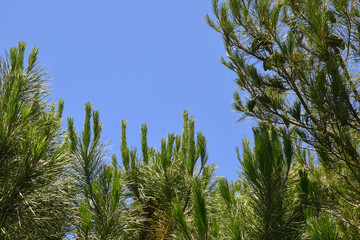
[(144, 61)]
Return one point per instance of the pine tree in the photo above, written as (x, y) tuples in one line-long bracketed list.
[(161, 182), (297, 64), (36, 190), (268, 171), (269, 200), (101, 209)]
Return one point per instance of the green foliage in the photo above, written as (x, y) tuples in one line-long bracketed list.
[(274, 208), (161, 183), (184, 230), (200, 212), (89, 156), (322, 228), (35, 185), (55, 185), (296, 64), (102, 212), (232, 215)]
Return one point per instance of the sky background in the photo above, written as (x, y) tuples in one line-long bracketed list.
[(144, 61)]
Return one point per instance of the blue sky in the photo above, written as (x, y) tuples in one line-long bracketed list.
[(144, 61)]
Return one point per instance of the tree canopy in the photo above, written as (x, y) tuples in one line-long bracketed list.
[(296, 65), (36, 190)]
